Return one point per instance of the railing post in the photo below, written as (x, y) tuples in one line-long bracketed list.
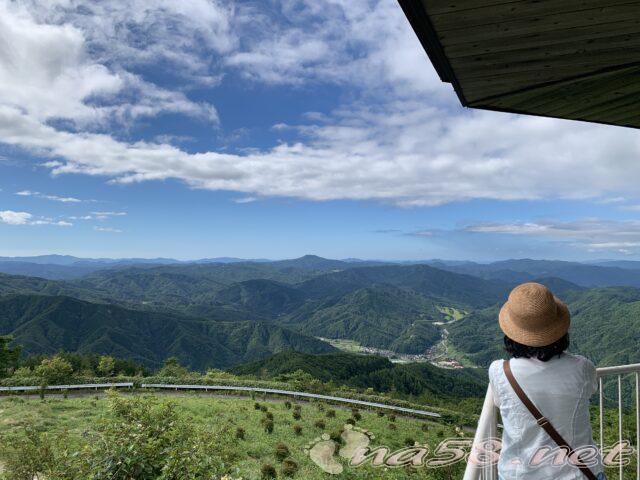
[(620, 423), (487, 429)]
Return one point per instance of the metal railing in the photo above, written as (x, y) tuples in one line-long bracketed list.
[(488, 423), (295, 394), (86, 386), (206, 388)]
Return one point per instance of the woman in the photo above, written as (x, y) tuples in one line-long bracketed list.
[(542, 381)]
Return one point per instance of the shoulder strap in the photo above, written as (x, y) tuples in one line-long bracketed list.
[(542, 420)]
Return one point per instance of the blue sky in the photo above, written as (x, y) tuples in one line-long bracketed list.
[(273, 129)]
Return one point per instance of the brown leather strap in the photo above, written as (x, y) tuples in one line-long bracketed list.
[(542, 420)]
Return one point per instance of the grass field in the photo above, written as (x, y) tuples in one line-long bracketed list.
[(77, 416)]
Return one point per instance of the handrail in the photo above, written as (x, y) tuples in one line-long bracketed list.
[(293, 394), (487, 424), (290, 393), (95, 386)]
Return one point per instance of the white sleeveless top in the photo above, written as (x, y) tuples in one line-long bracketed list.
[(561, 389)]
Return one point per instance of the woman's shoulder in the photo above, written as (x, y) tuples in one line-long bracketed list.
[(495, 368)]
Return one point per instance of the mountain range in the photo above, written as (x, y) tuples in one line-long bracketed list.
[(219, 314)]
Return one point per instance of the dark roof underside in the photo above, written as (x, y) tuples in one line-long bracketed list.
[(573, 59)]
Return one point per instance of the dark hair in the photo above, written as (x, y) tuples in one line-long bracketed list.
[(546, 353)]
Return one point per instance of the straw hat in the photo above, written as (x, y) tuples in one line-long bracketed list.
[(533, 316)]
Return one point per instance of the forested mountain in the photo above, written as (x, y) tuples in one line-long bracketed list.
[(47, 324), (371, 372), (391, 307), (380, 316), (605, 327), (584, 275)]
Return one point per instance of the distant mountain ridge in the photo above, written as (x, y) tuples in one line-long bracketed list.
[(47, 324)]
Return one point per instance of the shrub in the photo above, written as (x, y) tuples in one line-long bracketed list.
[(264, 408), (380, 413), (392, 418), (269, 416), (256, 406), (106, 366), (297, 415), (240, 433), (336, 436), (297, 429), (54, 370), (351, 421), (357, 416), (289, 467), (297, 408), (287, 405), (331, 414), (268, 471), (321, 407), (281, 451), (409, 442), (320, 424), (268, 426)]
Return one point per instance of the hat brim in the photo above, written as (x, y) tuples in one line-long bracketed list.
[(536, 338)]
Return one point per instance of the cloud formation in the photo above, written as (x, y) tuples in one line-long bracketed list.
[(400, 138), (591, 234), (55, 198), (11, 217)]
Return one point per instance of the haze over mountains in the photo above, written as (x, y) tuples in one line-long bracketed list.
[(222, 313)]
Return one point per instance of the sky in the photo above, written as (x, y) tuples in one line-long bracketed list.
[(277, 128)]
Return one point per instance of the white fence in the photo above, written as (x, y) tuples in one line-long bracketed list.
[(86, 386), (206, 388), (487, 425)]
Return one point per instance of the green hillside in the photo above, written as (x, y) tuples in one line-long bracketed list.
[(45, 324), (371, 372), (605, 328), (379, 316)]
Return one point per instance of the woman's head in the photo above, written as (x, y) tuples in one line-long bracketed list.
[(546, 353), (533, 317)]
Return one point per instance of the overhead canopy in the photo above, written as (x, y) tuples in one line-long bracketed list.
[(573, 59)]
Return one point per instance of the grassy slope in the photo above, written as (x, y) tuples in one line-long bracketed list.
[(81, 414)]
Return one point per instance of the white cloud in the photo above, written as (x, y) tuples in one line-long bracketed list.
[(55, 198), (589, 234), (15, 218), (402, 139), (47, 71), (107, 230), (11, 217), (245, 200)]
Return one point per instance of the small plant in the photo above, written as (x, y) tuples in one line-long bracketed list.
[(425, 427), (320, 407), (380, 413), (240, 433), (351, 421), (297, 407), (287, 405), (263, 408), (357, 416), (409, 442), (331, 413), (336, 436), (289, 467), (320, 424), (297, 429), (392, 418), (268, 426), (354, 411), (256, 406), (269, 416), (281, 452), (268, 471), (392, 426), (65, 394), (296, 415)]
